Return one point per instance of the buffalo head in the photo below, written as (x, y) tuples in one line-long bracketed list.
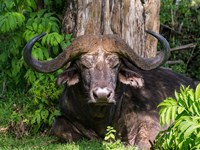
[(98, 63)]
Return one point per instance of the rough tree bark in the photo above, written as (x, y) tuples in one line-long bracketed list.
[(127, 18)]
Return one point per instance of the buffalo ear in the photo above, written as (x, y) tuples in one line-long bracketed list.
[(131, 78), (70, 76)]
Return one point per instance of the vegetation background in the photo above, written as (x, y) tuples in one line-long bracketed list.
[(29, 100)]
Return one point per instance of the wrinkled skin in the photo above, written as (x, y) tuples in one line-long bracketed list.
[(101, 90)]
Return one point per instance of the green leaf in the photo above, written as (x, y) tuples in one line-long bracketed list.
[(33, 120), (40, 28), (38, 118), (38, 20), (44, 114), (190, 130), (162, 116), (31, 3), (180, 110), (48, 28), (3, 57), (9, 4), (106, 138), (174, 113), (184, 125), (41, 13), (35, 26), (38, 53), (195, 108), (48, 39), (10, 21), (47, 15), (176, 95), (112, 136), (197, 92)]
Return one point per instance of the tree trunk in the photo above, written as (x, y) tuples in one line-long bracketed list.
[(127, 18)]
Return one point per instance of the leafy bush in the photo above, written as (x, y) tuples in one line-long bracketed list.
[(180, 24), (184, 116), (21, 20)]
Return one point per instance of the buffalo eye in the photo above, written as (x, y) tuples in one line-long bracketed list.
[(113, 61), (87, 61)]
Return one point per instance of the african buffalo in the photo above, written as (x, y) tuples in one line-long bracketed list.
[(108, 84)]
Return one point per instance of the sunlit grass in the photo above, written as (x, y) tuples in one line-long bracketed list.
[(38, 142)]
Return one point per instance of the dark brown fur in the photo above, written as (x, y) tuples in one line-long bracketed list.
[(106, 85), (135, 113)]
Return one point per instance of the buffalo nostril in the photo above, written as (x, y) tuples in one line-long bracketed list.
[(109, 95), (95, 95)]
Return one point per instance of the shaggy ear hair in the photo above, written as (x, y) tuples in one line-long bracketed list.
[(70, 76), (131, 78)]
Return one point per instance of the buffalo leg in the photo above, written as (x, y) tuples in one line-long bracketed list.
[(65, 130), (147, 132)]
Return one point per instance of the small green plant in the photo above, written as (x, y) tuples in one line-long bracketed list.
[(184, 116), (110, 134), (111, 143)]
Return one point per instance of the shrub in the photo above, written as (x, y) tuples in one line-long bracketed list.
[(20, 20), (182, 19), (183, 113)]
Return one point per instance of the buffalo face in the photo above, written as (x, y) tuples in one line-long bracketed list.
[(99, 72)]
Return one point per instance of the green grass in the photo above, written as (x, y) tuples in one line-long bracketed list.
[(38, 142), (20, 101)]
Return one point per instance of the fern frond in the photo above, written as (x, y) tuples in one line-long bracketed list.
[(184, 132), (168, 111), (10, 21)]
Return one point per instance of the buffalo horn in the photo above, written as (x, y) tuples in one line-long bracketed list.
[(81, 46), (125, 51), (70, 53)]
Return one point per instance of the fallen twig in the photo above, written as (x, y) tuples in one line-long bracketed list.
[(2, 130), (184, 47), (174, 62), (169, 28)]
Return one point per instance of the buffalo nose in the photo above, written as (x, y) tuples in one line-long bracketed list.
[(102, 93)]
